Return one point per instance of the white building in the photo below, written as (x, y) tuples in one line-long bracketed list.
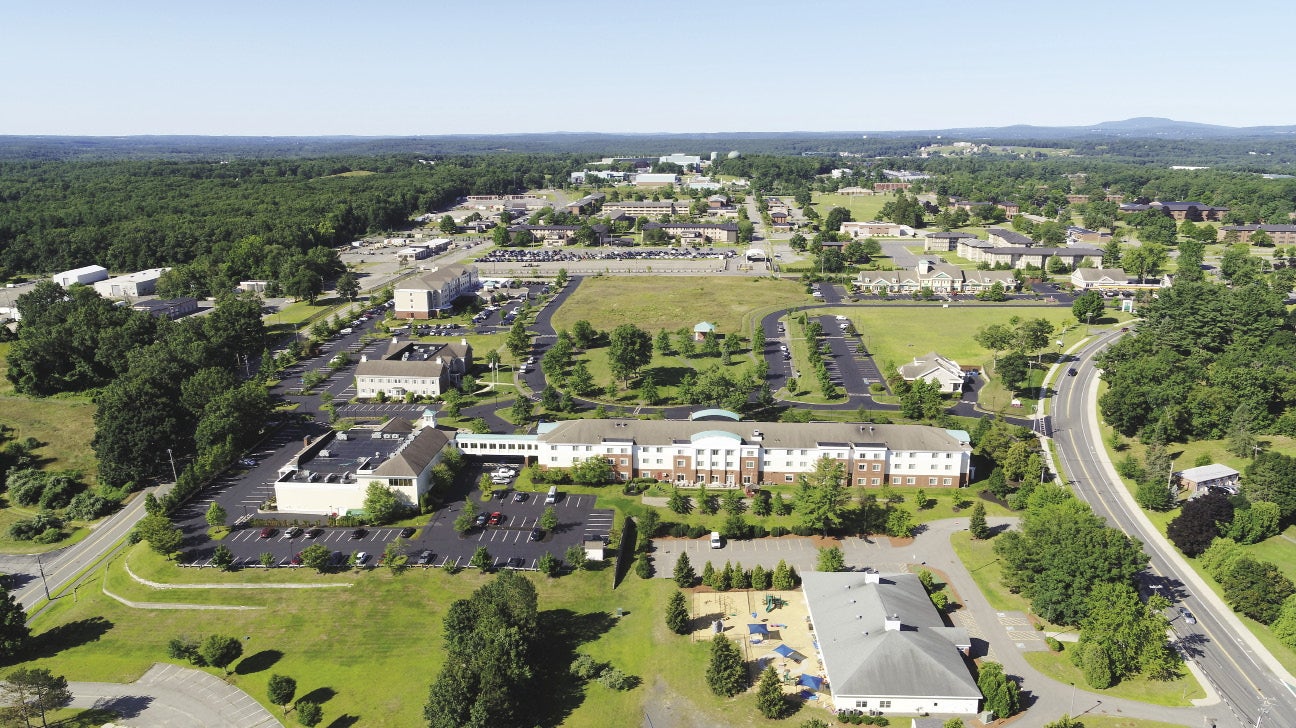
[(131, 285), (85, 276), (683, 160), (885, 648), (426, 295), (875, 229), (732, 454), (933, 367), (655, 178), (332, 474), (424, 369)]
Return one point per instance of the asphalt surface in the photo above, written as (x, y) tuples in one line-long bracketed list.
[(1254, 689)]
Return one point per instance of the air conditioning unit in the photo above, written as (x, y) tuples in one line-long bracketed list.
[(325, 454)]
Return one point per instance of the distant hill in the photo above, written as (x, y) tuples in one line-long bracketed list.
[(1151, 127)]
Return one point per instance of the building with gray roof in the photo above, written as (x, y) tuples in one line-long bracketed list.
[(885, 648), (426, 369)]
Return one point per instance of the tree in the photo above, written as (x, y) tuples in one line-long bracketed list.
[(548, 564), (727, 672), (381, 503), (831, 559), (678, 502), (280, 689), (1145, 260), (783, 578), (222, 558), (1013, 370), (519, 340), (1255, 523), (1129, 633), (584, 335), (953, 723), (629, 350), (448, 225), (162, 536), (467, 518), (309, 713), (996, 338), (684, 574), (215, 515), (677, 616), (821, 495), (316, 556), (1284, 627), (220, 650), (1188, 267), (769, 695), (1199, 522), (481, 559), (30, 692), (1256, 589), (14, 633), (1002, 695), (977, 523), (1271, 477), (521, 410), (348, 286), (1087, 306), (549, 519)]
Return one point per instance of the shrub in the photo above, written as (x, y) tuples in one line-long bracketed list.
[(1053, 644)]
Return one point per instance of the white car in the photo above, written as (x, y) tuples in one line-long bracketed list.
[(841, 318), (503, 472)]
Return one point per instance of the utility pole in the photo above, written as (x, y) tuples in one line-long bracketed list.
[(175, 478), (41, 567)]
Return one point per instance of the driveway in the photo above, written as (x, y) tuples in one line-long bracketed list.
[(169, 696)]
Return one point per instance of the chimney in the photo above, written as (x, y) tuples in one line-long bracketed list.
[(892, 623), (395, 340), (364, 357), (463, 341), (871, 576)]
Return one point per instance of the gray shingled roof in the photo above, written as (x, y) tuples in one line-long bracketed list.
[(1010, 236), (863, 658), (774, 434), (415, 456)]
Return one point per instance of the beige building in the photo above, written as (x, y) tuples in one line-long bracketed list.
[(433, 293), (875, 229), (411, 367), (731, 454), (937, 275), (933, 367)]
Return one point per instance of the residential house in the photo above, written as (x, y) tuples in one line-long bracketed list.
[(979, 251), (1280, 234), (779, 220), (936, 275), (734, 454), (943, 242), (435, 292), (1100, 278), (1206, 477), (698, 232), (885, 648), (933, 367), (331, 475), (411, 367), (131, 285)]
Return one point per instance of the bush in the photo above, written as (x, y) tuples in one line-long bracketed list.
[(36, 526), (88, 506), (614, 679), (1053, 644), (586, 667)]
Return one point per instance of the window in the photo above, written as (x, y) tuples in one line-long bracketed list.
[(909, 480), (884, 704), (861, 703), (876, 481), (787, 478), (931, 481), (946, 481), (863, 466), (623, 462), (746, 480), (860, 481), (877, 467), (679, 463)]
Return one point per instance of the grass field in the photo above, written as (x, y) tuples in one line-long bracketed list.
[(1174, 693), (369, 652), (862, 207), (666, 302)]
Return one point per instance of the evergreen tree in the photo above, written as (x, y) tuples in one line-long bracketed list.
[(727, 672), (782, 579), (1002, 695), (677, 616), (769, 695), (709, 576), (684, 576), (13, 626), (759, 577), (977, 524)]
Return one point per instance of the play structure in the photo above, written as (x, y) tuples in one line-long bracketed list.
[(772, 602)]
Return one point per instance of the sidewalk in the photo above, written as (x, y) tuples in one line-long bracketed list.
[(169, 696)]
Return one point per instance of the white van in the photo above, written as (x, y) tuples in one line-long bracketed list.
[(552, 497), (715, 540)]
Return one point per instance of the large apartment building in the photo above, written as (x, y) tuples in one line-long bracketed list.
[(428, 295), (729, 454)]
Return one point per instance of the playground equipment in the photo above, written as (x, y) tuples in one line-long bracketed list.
[(772, 602)]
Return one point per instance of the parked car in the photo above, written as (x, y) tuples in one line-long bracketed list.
[(516, 562), (481, 519), (314, 532), (495, 519), (406, 532), (296, 559), (267, 532), (536, 535), (424, 558), (293, 532), (248, 463), (519, 497), (358, 533), (361, 558)]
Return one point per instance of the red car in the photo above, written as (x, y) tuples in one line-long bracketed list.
[(296, 559), (267, 532), (495, 519)]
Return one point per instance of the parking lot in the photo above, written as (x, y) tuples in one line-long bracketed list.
[(799, 553)]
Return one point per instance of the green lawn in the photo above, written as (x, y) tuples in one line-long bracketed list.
[(335, 641), (862, 207), (982, 562), (1174, 693), (673, 302)]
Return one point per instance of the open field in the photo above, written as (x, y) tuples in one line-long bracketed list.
[(63, 424), (1174, 693), (369, 652), (862, 207), (663, 302)]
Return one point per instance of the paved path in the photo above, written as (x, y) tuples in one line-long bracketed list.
[(233, 585), (169, 696)]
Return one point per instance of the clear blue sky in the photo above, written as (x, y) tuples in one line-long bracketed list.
[(403, 67)]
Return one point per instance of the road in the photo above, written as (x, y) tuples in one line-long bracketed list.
[(1248, 679)]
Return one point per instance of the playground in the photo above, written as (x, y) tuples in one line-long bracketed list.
[(771, 628)]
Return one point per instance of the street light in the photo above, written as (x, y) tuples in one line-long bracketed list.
[(174, 477)]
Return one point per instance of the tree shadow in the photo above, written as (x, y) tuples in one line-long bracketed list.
[(319, 696), (344, 721), (564, 631), (263, 660), (67, 636), (121, 707)]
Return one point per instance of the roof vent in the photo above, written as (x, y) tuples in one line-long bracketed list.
[(871, 576), (892, 623)]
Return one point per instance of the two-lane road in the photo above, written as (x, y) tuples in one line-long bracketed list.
[(1251, 689)]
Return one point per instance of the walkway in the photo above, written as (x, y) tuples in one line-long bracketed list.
[(169, 696)]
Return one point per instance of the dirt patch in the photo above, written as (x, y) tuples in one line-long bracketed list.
[(665, 708), (901, 542)]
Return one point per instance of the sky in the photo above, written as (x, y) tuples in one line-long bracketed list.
[(407, 67)]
